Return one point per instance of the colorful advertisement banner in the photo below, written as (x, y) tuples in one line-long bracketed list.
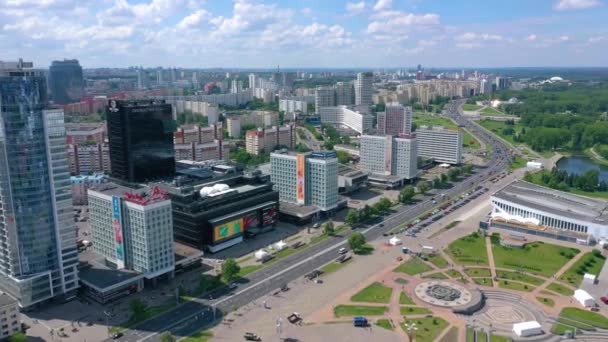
[(300, 170), (118, 234), (227, 230), (250, 221)]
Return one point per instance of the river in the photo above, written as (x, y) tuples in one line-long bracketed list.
[(578, 164)]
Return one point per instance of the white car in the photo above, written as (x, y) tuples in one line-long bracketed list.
[(342, 250)]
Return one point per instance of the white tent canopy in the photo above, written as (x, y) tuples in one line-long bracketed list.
[(529, 328), (280, 245), (584, 298), (394, 241), (589, 278), (261, 254)]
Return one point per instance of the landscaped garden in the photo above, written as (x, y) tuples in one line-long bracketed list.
[(428, 329), (478, 272), (436, 275), (524, 278), (507, 284), (483, 281), (571, 318), (412, 310), (404, 299), (359, 310), (469, 250), (592, 262), (470, 107), (374, 293), (538, 258), (384, 323), (413, 266), (438, 261), (562, 290), (546, 301)]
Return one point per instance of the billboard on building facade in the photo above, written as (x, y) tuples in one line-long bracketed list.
[(250, 221), (119, 244), (388, 155), (300, 170), (227, 230)]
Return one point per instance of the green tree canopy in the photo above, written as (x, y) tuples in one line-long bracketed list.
[(230, 270)]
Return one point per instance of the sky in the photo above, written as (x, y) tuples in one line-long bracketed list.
[(306, 33)]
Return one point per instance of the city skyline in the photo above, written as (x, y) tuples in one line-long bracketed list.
[(263, 34)]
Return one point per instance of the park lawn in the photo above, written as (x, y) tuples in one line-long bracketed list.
[(470, 107), (478, 272), (538, 258), (507, 284), (546, 301), (405, 299), (564, 291), (524, 278), (560, 329), (413, 266), (428, 328), (412, 310), (469, 250), (385, 323), (334, 266), (591, 262), (497, 127), (498, 338), (491, 111), (482, 336), (470, 335), (359, 310), (199, 336), (438, 261), (470, 141), (585, 316), (436, 275), (517, 163), (484, 281), (429, 120), (455, 275), (450, 336), (248, 269), (593, 194), (374, 293)]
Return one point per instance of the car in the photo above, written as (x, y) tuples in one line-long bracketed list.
[(117, 335), (604, 300), (316, 225), (342, 250)]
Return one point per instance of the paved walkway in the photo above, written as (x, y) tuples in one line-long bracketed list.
[(491, 260)]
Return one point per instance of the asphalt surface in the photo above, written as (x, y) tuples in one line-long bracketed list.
[(195, 315)]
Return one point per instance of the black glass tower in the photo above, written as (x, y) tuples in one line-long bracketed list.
[(66, 81), (140, 134)]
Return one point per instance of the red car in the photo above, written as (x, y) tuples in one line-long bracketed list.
[(604, 300)]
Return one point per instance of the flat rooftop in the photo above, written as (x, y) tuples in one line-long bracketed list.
[(95, 273), (301, 211), (5, 299), (555, 202)]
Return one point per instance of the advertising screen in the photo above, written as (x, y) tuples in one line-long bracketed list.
[(269, 216), (250, 221), (300, 170), (227, 230), (118, 234)]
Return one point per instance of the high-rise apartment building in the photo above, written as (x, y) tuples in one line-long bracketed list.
[(236, 86), (253, 81), (387, 155), (345, 94), (140, 134), (10, 318), (440, 144), (395, 120), (66, 81), (306, 179), (324, 97), (343, 116), (37, 231), (364, 88)]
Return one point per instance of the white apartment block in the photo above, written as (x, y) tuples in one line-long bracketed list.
[(178, 102), (253, 81), (343, 116), (364, 88), (306, 179), (209, 110), (10, 318), (267, 95), (133, 228), (386, 155), (290, 107), (233, 126), (396, 120), (440, 144), (236, 86)]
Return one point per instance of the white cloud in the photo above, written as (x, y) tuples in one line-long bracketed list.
[(193, 19), (306, 11), (531, 38), (355, 7), (470, 36), (569, 5), (564, 38), (383, 5), (596, 39), (398, 22)]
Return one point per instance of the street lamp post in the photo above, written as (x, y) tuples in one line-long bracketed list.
[(410, 329)]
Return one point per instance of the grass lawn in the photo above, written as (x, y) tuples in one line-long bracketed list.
[(517, 163), (412, 310), (594, 194), (483, 281), (359, 310), (478, 272), (405, 299), (524, 278), (456, 275), (585, 316), (470, 335), (591, 262), (450, 336), (564, 291), (436, 275), (560, 329), (547, 293), (200, 336), (482, 336), (539, 258), (428, 328), (248, 269), (375, 293), (498, 338), (547, 301), (412, 267), (470, 107), (385, 323), (438, 261), (334, 266), (507, 284), (491, 111), (470, 141), (469, 250), (429, 120), (497, 127), (401, 281)]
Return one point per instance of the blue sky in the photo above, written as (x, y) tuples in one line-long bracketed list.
[(307, 33)]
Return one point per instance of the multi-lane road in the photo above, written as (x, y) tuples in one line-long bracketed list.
[(194, 315)]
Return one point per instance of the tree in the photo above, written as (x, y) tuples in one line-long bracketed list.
[(343, 157), (230, 270), (167, 337), (365, 213), (436, 182), (423, 186), (383, 205), (138, 308), (352, 217), (444, 178), (467, 168), (407, 194), (17, 337), (356, 241), (328, 228), (453, 173)]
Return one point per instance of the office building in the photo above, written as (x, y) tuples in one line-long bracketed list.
[(66, 81), (132, 228), (325, 97), (38, 264), (140, 134), (528, 208), (267, 140), (395, 120), (345, 94), (389, 160), (440, 144), (10, 317), (216, 212), (364, 89), (345, 117), (308, 179), (82, 183)]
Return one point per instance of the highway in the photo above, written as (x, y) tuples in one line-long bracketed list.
[(194, 315)]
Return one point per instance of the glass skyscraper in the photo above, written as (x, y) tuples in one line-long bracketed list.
[(66, 81), (38, 255)]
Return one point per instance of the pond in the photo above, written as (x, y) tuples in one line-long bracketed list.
[(579, 164)]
